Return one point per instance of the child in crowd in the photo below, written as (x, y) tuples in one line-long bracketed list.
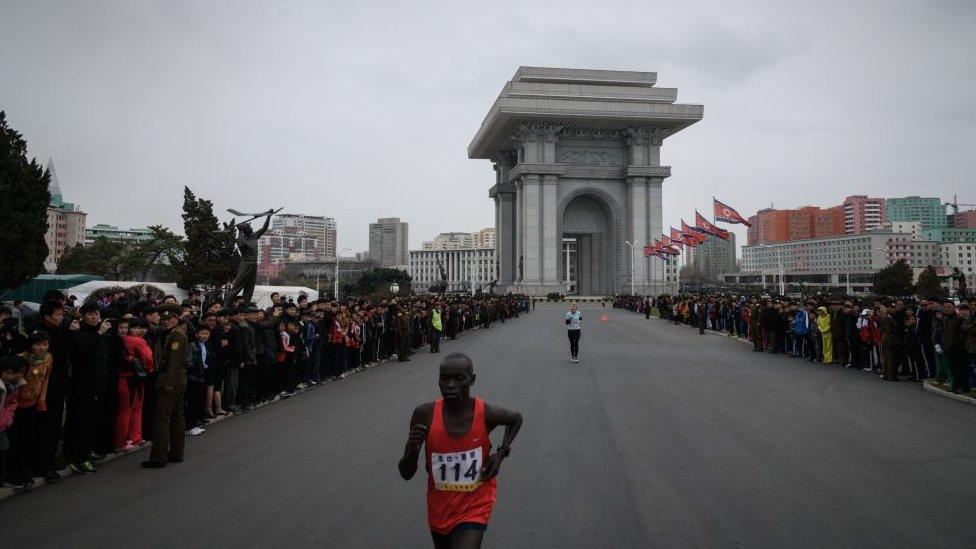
[(12, 369), (353, 342), (30, 417), (202, 357), (285, 351)]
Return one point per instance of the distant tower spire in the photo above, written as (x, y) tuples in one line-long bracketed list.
[(54, 187)]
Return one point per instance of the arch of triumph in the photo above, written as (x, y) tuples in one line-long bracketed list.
[(577, 173)]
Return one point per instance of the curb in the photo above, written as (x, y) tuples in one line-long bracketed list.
[(7, 492), (933, 388)]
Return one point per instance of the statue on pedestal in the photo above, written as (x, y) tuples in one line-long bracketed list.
[(442, 286), (247, 243)]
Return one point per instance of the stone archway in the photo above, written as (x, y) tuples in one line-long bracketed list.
[(587, 244)]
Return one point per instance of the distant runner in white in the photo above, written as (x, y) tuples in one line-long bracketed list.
[(574, 320)]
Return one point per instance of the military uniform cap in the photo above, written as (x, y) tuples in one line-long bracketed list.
[(169, 310)]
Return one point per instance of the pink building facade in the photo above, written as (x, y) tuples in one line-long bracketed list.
[(862, 213)]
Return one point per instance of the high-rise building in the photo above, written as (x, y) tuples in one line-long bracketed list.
[(713, 257), (388, 242), (964, 220), (451, 241), (862, 214), (65, 223), (930, 211), (295, 238), (485, 238), (828, 222), (318, 227), (772, 225), (769, 225)]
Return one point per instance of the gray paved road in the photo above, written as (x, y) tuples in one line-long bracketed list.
[(660, 437)]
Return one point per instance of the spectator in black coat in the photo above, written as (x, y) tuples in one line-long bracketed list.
[(89, 379)]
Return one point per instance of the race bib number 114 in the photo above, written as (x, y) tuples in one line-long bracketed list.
[(458, 471)]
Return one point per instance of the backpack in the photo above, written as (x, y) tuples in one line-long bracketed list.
[(135, 366)]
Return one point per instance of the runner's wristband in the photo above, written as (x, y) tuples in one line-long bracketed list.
[(503, 450)]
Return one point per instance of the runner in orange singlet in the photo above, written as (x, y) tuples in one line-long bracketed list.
[(461, 469)]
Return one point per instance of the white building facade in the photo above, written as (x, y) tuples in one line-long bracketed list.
[(470, 269), (962, 256), (866, 253), (842, 261), (115, 234)]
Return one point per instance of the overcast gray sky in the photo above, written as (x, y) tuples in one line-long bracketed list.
[(364, 110)]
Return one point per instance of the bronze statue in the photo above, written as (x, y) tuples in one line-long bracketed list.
[(247, 243), (442, 287)]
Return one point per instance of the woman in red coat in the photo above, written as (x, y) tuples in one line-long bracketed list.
[(138, 362)]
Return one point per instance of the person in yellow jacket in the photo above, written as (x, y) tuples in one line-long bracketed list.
[(823, 324), (436, 330)]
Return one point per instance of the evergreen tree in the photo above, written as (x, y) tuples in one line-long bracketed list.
[(377, 281), (105, 258), (162, 244), (894, 280), (23, 210), (929, 285), (209, 255)]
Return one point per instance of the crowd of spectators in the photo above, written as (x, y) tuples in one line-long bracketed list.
[(898, 339), (116, 372)]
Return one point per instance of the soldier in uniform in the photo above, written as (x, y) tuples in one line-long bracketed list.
[(453, 313), (486, 312), (403, 322), (756, 326), (170, 425)]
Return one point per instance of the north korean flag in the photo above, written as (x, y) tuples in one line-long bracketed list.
[(703, 226), (690, 237), (727, 214), (676, 237)]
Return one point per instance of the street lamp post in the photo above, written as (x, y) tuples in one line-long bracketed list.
[(335, 287), (627, 242)]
